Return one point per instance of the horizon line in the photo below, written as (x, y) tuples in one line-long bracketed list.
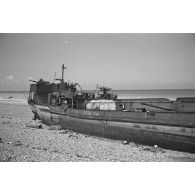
[(111, 89)]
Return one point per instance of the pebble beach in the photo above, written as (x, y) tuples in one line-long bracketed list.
[(20, 143)]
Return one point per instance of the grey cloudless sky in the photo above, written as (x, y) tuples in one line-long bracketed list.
[(119, 61)]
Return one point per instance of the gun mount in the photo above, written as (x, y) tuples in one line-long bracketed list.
[(105, 93)]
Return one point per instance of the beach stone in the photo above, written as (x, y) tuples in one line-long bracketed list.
[(79, 156), (54, 149), (44, 149), (58, 158), (17, 143)]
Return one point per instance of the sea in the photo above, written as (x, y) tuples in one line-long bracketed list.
[(20, 97), (14, 97)]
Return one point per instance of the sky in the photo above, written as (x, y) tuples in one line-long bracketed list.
[(118, 61)]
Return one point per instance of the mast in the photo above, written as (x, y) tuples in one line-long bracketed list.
[(63, 67)]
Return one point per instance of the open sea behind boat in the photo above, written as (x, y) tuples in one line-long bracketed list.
[(171, 94), (14, 97), (20, 97)]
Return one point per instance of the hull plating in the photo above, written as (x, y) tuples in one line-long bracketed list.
[(171, 137)]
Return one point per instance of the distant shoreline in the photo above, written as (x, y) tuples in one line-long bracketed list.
[(113, 90), (14, 91)]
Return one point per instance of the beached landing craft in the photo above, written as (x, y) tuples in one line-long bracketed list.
[(152, 121)]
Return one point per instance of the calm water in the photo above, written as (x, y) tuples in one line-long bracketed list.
[(14, 97), (170, 94), (20, 97)]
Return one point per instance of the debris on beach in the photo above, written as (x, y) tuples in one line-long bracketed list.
[(1, 140), (54, 127), (154, 149), (155, 146), (125, 142), (150, 149), (34, 125), (74, 136), (64, 132)]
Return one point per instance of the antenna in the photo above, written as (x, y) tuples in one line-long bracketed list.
[(63, 67)]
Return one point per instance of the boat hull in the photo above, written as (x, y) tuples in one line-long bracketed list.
[(165, 136)]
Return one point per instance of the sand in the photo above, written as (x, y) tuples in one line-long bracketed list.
[(20, 143)]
